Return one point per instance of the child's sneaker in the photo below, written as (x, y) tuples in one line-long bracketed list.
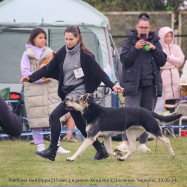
[(40, 147), (62, 150)]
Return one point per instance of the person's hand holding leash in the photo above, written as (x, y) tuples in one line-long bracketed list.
[(117, 88)]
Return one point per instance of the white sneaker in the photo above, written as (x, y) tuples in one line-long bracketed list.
[(40, 147), (123, 147), (143, 148), (62, 150)]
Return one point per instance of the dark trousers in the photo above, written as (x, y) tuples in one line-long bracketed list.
[(9, 121), (56, 125), (145, 98)]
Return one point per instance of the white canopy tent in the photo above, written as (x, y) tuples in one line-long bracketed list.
[(19, 17)]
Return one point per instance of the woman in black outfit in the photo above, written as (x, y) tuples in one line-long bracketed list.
[(9, 121), (78, 73), (141, 58)]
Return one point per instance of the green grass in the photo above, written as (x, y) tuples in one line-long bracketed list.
[(20, 166)]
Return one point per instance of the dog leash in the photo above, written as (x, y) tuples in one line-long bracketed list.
[(121, 103), (100, 98), (155, 146)]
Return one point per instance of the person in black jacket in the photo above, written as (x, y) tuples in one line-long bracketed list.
[(78, 73), (141, 77), (9, 121)]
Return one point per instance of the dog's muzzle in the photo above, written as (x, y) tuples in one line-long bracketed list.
[(69, 106)]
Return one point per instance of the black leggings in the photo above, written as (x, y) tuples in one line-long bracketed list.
[(56, 125), (9, 121)]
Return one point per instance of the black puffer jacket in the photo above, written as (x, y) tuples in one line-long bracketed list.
[(133, 58)]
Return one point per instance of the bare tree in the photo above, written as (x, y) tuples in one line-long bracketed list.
[(134, 5)]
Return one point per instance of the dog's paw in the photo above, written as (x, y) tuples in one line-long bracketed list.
[(69, 159), (120, 159), (118, 153), (173, 155)]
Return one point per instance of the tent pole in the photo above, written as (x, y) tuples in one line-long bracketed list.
[(110, 35)]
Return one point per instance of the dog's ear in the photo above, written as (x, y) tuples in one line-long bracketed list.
[(75, 99), (87, 97), (90, 95), (84, 97)]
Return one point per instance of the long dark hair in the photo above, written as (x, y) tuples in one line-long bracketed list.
[(34, 33), (76, 32), (144, 17)]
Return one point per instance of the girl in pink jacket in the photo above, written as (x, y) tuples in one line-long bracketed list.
[(169, 72)]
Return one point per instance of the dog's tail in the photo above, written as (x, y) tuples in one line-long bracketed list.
[(163, 120)]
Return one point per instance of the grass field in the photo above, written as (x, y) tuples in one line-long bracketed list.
[(20, 166)]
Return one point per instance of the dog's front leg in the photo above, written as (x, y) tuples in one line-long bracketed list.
[(130, 152), (87, 142), (132, 134), (108, 145)]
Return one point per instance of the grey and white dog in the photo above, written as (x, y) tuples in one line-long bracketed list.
[(107, 122)]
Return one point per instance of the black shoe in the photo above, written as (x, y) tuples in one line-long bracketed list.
[(101, 153), (49, 153)]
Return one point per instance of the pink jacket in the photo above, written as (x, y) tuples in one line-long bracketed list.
[(169, 72)]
